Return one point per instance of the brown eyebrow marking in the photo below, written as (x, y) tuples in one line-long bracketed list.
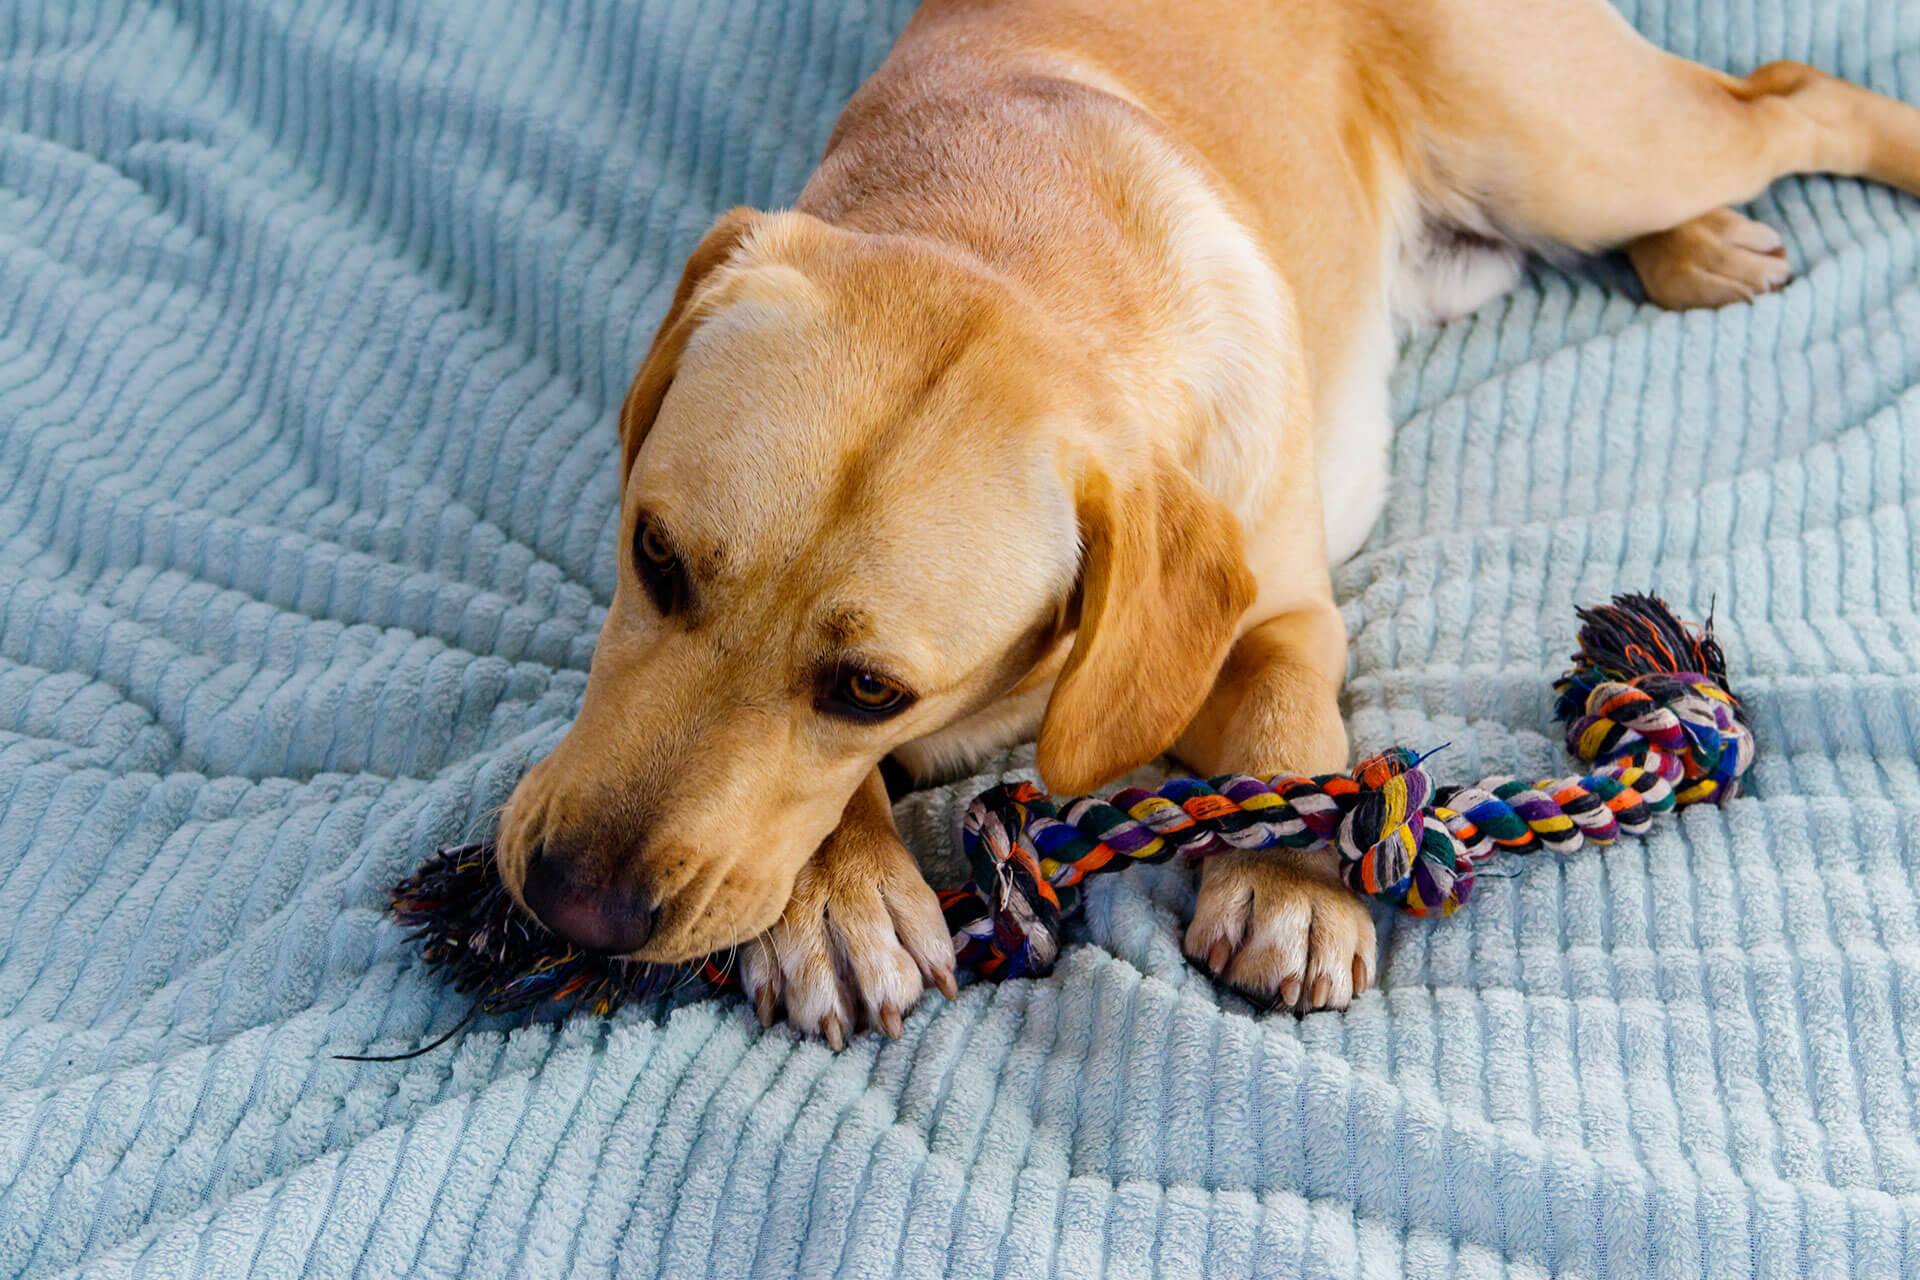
[(845, 624)]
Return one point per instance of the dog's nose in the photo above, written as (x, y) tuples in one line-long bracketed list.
[(596, 916)]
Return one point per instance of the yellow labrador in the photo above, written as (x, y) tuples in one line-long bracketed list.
[(1046, 409)]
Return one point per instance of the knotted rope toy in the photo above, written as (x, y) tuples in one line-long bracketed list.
[(1646, 704)]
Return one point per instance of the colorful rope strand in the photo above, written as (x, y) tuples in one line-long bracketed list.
[(1646, 702)]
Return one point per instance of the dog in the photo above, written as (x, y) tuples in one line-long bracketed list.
[(1046, 409)]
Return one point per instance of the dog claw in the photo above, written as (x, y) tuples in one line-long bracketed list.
[(1322, 989), (1359, 975), (890, 1021), (1290, 992), (943, 979), (831, 1031), (763, 1006), (1217, 956)]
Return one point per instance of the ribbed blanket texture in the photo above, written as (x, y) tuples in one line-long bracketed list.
[(314, 323)]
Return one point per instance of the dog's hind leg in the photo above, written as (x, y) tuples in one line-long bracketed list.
[(1721, 256), (1560, 125)]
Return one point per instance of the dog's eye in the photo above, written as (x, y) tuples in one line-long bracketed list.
[(658, 566), (654, 548), (862, 695), (872, 692)]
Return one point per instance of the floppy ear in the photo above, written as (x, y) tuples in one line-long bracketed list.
[(1164, 582), (663, 358)]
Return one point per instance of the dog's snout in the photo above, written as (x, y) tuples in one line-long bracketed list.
[(598, 915)]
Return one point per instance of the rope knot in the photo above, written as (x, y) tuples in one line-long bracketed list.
[(1686, 722), (1646, 688), (1007, 922), (1390, 844)]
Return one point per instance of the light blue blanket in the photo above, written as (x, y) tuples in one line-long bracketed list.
[(313, 323)]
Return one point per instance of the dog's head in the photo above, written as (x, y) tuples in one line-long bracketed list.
[(867, 488)]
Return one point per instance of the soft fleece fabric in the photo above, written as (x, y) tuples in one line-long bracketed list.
[(314, 319)]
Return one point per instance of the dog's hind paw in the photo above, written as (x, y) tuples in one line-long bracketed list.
[(1715, 260)]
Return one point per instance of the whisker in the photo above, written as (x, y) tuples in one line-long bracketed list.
[(488, 819)]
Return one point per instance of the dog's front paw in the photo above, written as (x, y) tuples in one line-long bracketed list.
[(1282, 930), (860, 940)]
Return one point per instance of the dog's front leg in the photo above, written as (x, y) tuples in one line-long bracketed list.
[(861, 937), (1278, 926)]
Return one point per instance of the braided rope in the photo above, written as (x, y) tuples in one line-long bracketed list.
[(1660, 737)]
